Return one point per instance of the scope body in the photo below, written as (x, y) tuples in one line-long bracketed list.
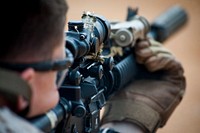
[(87, 36)]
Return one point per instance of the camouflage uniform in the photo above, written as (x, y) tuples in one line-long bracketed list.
[(11, 123)]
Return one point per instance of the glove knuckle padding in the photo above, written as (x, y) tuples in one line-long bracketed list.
[(160, 61)]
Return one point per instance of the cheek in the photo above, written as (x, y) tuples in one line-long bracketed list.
[(45, 95), (49, 82), (44, 86)]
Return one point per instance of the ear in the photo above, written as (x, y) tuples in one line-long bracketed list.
[(28, 75)]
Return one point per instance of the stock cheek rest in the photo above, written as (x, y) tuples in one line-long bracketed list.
[(12, 83)]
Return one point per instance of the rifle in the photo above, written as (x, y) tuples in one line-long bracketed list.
[(103, 64)]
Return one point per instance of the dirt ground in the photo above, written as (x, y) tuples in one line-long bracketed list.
[(185, 45)]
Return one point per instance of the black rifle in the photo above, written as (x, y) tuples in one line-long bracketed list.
[(103, 64)]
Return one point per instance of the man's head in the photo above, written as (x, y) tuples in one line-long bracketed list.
[(34, 33), (32, 29)]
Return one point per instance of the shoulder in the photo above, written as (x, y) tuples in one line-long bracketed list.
[(11, 123)]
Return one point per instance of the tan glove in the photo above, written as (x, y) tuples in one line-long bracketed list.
[(149, 102)]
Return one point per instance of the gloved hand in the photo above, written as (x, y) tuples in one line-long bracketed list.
[(149, 102)]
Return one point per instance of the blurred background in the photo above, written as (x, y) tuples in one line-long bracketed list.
[(185, 45)]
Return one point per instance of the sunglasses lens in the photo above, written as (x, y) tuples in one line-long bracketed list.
[(60, 77)]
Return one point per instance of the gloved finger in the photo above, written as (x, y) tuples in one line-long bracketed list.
[(154, 43), (162, 61), (158, 49), (143, 54), (144, 51), (142, 44), (151, 51)]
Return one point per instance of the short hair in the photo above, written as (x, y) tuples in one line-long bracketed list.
[(31, 28)]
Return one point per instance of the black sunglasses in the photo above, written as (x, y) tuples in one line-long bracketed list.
[(58, 65)]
